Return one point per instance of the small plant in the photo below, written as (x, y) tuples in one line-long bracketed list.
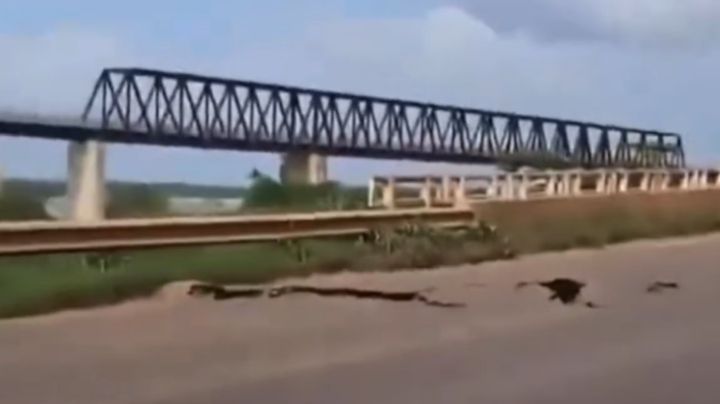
[(103, 262), (297, 249)]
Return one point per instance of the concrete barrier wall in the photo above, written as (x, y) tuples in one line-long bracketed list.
[(462, 191)]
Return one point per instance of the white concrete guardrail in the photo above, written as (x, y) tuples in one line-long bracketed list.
[(461, 191), (54, 237)]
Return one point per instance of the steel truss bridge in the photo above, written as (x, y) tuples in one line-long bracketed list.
[(132, 105)]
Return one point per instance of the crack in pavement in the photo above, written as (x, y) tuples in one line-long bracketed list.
[(222, 293), (659, 287), (566, 290)]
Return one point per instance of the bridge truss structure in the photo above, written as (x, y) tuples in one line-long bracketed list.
[(168, 108)]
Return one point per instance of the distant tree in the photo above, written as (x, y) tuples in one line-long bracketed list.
[(136, 200), (255, 174), (20, 206), (266, 192)]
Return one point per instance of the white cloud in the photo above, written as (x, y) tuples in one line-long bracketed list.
[(674, 23)]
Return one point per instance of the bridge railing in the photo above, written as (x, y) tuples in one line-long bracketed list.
[(460, 191), (177, 108)]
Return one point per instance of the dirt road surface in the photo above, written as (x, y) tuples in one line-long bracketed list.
[(507, 346)]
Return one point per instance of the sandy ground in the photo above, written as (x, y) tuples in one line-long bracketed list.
[(507, 346)]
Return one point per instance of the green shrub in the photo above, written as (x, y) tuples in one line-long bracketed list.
[(136, 200), (267, 193), (20, 206)]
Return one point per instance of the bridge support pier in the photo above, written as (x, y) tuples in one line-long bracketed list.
[(303, 168), (86, 181)]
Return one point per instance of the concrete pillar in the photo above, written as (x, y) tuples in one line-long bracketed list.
[(601, 183), (303, 168), (460, 197), (564, 184), (372, 193), (702, 179), (568, 185), (612, 183), (654, 182), (509, 192), (524, 187), (685, 183), (645, 181), (692, 180), (493, 189), (624, 182), (665, 183), (426, 192), (446, 190), (388, 194), (577, 184), (551, 185), (86, 181)]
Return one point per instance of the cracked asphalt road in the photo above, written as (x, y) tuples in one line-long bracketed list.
[(507, 346)]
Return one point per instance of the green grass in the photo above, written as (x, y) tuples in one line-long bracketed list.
[(36, 285), (31, 285)]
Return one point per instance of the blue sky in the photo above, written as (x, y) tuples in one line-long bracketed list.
[(650, 63)]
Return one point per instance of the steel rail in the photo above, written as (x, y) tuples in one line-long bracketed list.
[(29, 238)]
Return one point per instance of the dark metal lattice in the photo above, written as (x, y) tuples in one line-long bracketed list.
[(146, 106)]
